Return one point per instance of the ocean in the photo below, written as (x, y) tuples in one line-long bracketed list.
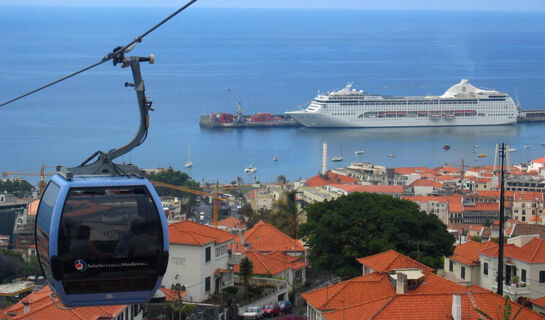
[(273, 61)]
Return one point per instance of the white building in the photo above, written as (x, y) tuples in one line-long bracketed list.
[(198, 260)]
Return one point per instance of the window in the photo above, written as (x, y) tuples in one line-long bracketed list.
[(207, 254), (485, 268), (523, 275), (450, 266), (220, 251), (463, 272), (207, 284), (541, 276)]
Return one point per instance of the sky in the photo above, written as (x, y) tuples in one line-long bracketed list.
[(486, 5)]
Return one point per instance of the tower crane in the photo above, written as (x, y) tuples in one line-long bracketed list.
[(197, 192), (240, 113), (461, 166), (42, 175)]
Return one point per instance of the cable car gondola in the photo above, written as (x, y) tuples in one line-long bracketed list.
[(101, 233)]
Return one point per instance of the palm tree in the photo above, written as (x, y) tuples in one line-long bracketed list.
[(178, 309), (246, 272), (281, 179), (286, 214)]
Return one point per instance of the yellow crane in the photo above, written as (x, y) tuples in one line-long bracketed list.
[(42, 175), (197, 192)]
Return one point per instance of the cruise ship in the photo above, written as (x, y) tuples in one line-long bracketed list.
[(461, 105)]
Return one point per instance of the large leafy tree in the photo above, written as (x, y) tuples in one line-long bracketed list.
[(177, 178), (362, 224)]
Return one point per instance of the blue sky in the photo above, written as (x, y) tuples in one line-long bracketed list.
[(502, 5)]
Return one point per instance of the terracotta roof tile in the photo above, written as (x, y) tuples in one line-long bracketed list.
[(265, 237), (539, 160), (428, 306), (191, 233), (528, 196), (389, 260), (171, 295), (369, 188), (426, 183), (232, 223), (272, 263), (335, 178), (468, 253), (417, 170), (539, 301), (483, 206), (532, 252)]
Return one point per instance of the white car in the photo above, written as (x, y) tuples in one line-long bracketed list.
[(253, 313)]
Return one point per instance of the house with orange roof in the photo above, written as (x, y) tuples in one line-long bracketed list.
[(277, 264), (448, 170), (480, 213), (394, 191), (387, 276), (537, 164), (232, 224), (265, 238), (527, 182), (330, 178), (407, 175), (365, 172), (447, 208), (39, 305), (198, 259), (463, 266), (524, 267), (538, 305), (431, 306), (426, 187), (528, 207)]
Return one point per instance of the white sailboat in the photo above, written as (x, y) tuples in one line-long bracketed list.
[(189, 163), (275, 158), (250, 169)]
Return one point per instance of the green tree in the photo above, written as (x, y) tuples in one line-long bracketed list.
[(177, 178), (246, 272), (285, 215), (362, 224), (18, 187), (251, 217), (281, 179)]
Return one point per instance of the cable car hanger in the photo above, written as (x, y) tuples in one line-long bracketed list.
[(101, 233)]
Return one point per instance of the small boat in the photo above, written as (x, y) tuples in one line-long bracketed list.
[(337, 159), (481, 155), (512, 150), (275, 158), (391, 155), (476, 146), (250, 169), (359, 152), (527, 146), (543, 144), (189, 163), (446, 147)]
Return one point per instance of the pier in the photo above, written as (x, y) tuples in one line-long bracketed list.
[(531, 116)]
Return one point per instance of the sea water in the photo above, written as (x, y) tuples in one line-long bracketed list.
[(273, 61)]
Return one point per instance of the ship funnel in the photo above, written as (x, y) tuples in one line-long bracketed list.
[(324, 158)]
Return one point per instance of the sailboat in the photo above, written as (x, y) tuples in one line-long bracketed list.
[(339, 157), (189, 163), (250, 169), (275, 158)]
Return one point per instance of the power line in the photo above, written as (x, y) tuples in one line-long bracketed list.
[(116, 54)]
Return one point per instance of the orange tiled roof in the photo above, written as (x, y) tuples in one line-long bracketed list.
[(171, 295), (429, 307), (484, 180), (417, 170), (539, 301), (468, 253), (483, 206), (271, 263), (351, 292), (447, 169), (539, 160), (369, 188), (232, 223), (265, 237), (528, 196), (447, 178), (332, 178), (42, 307), (426, 183), (532, 252), (494, 194), (389, 260), (191, 233)]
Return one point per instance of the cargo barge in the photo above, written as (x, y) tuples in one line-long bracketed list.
[(257, 120)]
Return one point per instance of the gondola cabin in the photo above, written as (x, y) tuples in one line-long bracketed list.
[(102, 240)]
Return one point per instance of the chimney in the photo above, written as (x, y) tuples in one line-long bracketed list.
[(401, 283), (456, 307), (324, 158), (242, 238), (26, 306)]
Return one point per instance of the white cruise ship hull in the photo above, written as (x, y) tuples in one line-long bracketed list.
[(461, 105)]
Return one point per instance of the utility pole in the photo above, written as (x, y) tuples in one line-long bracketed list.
[(501, 152)]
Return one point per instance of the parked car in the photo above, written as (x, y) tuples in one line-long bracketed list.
[(285, 306), (253, 313), (271, 310)]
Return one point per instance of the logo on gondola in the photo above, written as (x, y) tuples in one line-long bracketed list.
[(80, 265)]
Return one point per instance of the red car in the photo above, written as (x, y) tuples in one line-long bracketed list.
[(271, 310)]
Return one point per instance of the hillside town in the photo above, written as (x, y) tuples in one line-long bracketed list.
[(231, 252)]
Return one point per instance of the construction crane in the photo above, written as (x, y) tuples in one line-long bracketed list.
[(197, 192), (42, 175), (240, 113), (462, 167)]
